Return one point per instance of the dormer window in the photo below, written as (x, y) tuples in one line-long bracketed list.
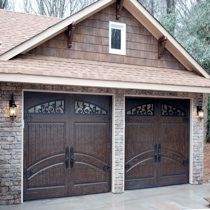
[(117, 38)]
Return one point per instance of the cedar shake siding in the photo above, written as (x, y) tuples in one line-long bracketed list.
[(91, 42)]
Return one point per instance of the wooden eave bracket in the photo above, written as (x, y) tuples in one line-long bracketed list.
[(119, 6), (161, 45), (69, 34)]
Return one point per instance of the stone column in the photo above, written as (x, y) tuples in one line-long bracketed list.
[(10, 146), (198, 137), (118, 143)]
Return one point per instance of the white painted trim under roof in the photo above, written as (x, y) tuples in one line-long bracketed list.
[(138, 11), (52, 80)]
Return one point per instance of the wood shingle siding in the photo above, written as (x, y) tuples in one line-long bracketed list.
[(91, 42)]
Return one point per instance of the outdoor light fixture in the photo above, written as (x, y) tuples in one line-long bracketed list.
[(200, 112), (12, 107)]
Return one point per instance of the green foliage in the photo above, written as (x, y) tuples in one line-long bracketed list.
[(194, 33), (169, 22), (208, 122), (188, 22)]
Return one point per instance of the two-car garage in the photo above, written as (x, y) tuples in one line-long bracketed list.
[(68, 143)]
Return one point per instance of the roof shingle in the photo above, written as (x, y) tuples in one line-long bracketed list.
[(19, 27), (83, 69)]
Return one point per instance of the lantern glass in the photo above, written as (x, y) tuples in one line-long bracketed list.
[(12, 107), (201, 114), (13, 111)]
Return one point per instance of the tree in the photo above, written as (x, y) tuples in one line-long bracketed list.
[(194, 34), (168, 19), (3, 4), (56, 8)]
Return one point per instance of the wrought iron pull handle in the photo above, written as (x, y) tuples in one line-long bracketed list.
[(127, 166), (159, 152), (67, 157), (106, 168), (156, 152), (71, 157)]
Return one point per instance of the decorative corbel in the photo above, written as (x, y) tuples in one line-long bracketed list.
[(69, 34), (119, 6), (161, 45)]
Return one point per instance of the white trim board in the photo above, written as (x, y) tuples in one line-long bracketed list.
[(49, 80), (135, 9)]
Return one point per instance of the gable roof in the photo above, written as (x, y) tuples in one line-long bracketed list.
[(65, 71), (18, 27), (138, 11)]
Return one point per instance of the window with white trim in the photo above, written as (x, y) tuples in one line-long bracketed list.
[(117, 38)]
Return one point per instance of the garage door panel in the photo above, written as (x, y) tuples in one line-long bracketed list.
[(89, 173), (91, 139), (157, 142), (140, 139), (173, 180), (50, 136), (139, 144), (67, 147), (171, 166), (50, 176), (143, 168), (173, 136), (44, 159), (174, 150)]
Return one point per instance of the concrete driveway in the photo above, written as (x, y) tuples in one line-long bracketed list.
[(163, 198)]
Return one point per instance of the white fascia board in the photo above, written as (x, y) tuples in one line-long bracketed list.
[(50, 80), (55, 29), (157, 30)]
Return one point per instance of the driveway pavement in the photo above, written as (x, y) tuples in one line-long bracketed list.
[(163, 198)]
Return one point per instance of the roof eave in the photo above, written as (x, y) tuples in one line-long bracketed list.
[(51, 80)]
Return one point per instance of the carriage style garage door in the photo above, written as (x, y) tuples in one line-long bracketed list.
[(157, 142), (67, 144)]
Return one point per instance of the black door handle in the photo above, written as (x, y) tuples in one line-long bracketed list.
[(127, 166), (71, 157), (106, 168), (156, 152), (67, 157), (159, 152)]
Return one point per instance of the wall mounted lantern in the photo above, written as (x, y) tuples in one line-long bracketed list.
[(200, 112), (12, 107)]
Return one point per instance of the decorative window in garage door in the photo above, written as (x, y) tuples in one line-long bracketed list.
[(87, 108), (141, 110), (50, 107), (169, 110)]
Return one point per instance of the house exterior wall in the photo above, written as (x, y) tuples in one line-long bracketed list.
[(11, 135), (91, 39), (206, 175)]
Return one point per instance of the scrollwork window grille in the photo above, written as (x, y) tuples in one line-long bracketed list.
[(169, 110), (86, 108), (141, 110), (51, 107)]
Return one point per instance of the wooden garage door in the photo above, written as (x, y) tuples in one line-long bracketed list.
[(67, 145), (157, 142)]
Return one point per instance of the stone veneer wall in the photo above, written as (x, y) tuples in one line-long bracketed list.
[(206, 175), (11, 135)]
